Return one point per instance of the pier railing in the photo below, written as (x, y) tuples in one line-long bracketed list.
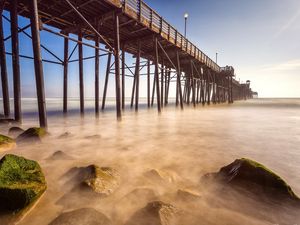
[(139, 10)]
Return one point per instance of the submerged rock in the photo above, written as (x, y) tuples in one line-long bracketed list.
[(256, 178), (162, 177), (21, 184), (187, 195), (65, 135), (59, 155), (6, 143), (155, 213), (15, 131), (86, 216), (34, 134), (7, 121)]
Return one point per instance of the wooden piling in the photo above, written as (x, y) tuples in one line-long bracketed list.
[(157, 75), (123, 76), (148, 83), (80, 63), (137, 75), (65, 84), (117, 65), (15, 60), (97, 53), (106, 80), (39, 75), (179, 80), (4, 81), (162, 83)]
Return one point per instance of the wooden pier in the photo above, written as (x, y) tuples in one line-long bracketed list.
[(115, 27)]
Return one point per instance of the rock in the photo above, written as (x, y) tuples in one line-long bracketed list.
[(254, 177), (86, 216), (186, 195), (6, 143), (7, 121), (21, 184), (155, 213), (15, 131), (59, 155), (93, 137), (65, 135), (34, 134), (162, 177), (102, 180)]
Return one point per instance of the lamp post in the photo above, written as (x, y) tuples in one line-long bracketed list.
[(216, 58), (185, 21)]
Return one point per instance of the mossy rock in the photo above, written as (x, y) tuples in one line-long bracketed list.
[(256, 178), (86, 216), (155, 213), (33, 134), (6, 143), (21, 184)]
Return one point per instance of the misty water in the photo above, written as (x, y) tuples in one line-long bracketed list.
[(184, 145)]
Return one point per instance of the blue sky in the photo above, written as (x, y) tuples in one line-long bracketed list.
[(260, 38)]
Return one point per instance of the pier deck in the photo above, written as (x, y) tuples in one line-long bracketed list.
[(116, 27)]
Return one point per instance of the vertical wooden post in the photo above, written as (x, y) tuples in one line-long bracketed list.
[(228, 88), (123, 76), (5, 93), (157, 75), (117, 65), (65, 88), (97, 52), (81, 85), (137, 74), (39, 76), (106, 80), (162, 83), (167, 83), (208, 87), (148, 83), (214, 87), (179, 80), (231, 89), (193, 85), (133, 90), (15, 60), (153, 89)]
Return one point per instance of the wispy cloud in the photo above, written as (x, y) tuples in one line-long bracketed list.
[(285, 66), (288, 24)]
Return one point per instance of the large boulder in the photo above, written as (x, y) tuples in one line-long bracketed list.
[(33, 134), (21, 184), (155, 213), (86, 216), (256, 178), (6, 143)]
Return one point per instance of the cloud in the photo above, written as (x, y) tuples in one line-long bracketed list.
[(285, 66)]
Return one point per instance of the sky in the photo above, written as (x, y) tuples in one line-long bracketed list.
[(259, 38)]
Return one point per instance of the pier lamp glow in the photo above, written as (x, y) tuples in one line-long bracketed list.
[(186, 15)]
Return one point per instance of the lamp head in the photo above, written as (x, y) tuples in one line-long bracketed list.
[(186, 15)]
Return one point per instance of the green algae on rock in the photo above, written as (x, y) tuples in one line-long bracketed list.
[(6, 143), (255, 177), (33, 134), (21, 185)]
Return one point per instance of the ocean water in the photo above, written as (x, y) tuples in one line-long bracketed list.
[(183, 144)]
